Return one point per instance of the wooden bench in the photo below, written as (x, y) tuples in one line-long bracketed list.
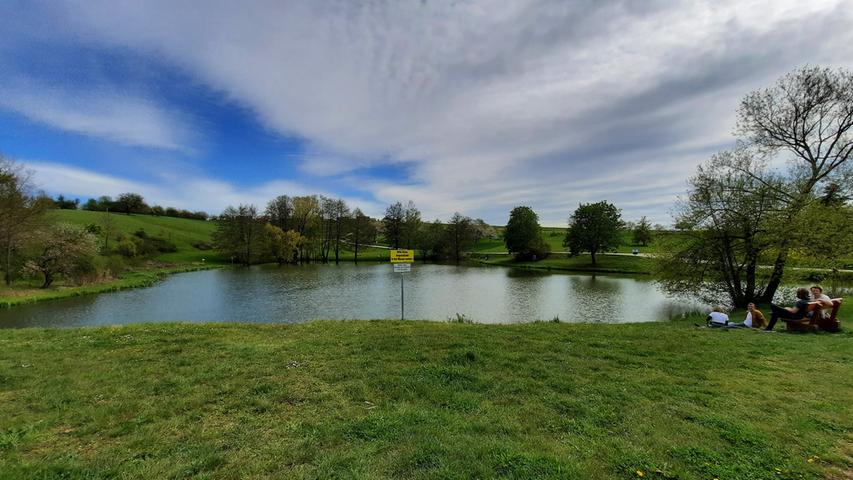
[(814, 320)]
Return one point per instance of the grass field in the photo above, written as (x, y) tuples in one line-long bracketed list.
[(581, 263), (389, 399), (183, 232), (554, 237)]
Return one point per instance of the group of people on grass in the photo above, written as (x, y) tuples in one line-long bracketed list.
[(755, 318)]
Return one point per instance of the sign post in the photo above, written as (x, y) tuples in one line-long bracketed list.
[(402, 261)]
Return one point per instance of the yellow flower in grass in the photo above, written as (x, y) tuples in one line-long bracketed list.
[(640, 473)]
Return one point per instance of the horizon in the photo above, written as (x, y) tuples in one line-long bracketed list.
[(474, 108)]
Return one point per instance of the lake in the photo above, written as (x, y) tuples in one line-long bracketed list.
[(298, 293)]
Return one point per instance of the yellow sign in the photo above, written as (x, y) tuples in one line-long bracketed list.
[(402, 256)]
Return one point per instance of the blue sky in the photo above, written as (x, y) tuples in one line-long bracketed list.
[(473, 106)]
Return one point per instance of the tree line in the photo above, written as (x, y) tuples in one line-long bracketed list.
[(127, 203), (318, 228)]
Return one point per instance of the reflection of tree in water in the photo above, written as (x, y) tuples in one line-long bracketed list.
[(597, 298), (526, 273)]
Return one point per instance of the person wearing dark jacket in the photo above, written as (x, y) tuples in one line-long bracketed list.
[(797, 312)]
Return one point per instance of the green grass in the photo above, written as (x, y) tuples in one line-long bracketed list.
[(389, 399), (182, 232), (554, 237), (581, 263)]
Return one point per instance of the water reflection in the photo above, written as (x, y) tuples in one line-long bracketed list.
[(299, 293)]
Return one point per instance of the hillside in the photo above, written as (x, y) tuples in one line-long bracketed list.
[(184, 233)]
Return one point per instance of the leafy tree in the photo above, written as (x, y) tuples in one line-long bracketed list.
[(238, 233), (280, 212), (523, 236), (280, 245), (362, 230), (63, 203), (643, 232), (461, 234), (20, 214), (593, 228), (64, 250), (808, 116), (393, 224), (131, 203), (730, 223), (432, 240), (158, 211), (411, 225)]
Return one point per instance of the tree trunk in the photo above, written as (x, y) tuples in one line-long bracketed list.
[(48, 279), (592, 252), (8, 274), (776, 275)]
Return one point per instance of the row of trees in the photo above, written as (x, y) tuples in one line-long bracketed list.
[(129, 203), (319, 228)]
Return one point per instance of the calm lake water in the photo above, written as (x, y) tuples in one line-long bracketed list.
[(292, 294)]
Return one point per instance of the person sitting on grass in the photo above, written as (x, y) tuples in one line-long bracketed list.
[(717, 318), (754, 318), (797, 312)]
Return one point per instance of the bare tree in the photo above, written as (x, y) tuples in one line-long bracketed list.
[(808, 115)]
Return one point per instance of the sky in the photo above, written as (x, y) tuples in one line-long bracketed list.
[(468, 106)]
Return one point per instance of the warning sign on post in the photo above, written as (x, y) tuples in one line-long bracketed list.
[(402, 267), (402, 256)]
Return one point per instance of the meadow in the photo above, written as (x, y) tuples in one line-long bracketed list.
[(388, 399)]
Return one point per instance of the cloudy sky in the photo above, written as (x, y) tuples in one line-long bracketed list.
[(470, 106)]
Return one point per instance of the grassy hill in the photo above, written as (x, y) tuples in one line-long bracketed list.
[(184, 233), (421, 400)]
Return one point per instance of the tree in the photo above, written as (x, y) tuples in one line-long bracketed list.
[(108, 226), (65, 250), (306, 221), (340, 219), (362, 230), (729, 223), (593, 228), (393, 224), (280, 245), (131, 203), (280, 212), (20, 213), (807, 115), (461, 234), (523, 236), (411, 225), (63, 203), (238, 233), (432, 240), (643, 232)]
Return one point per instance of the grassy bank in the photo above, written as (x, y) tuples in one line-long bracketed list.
[(581, 263), (424, 400), (186, 234), (29, 293)]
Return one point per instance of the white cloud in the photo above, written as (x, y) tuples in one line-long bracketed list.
[(490, 103), (110, 115)]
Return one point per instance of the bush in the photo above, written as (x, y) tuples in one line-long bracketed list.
[(126, 247)]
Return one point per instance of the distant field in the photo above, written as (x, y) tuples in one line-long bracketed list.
[(554, 236), (581, 263), (180, 231)]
